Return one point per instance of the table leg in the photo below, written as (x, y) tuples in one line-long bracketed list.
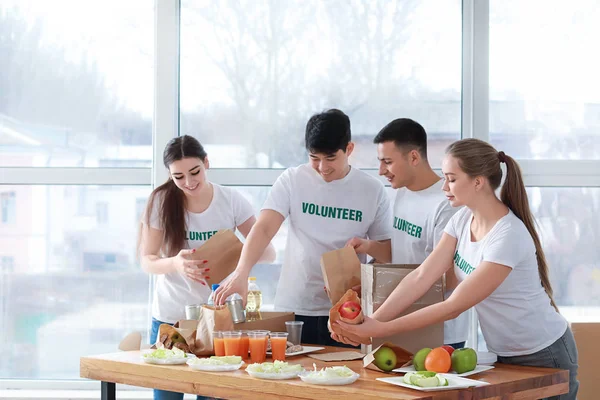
[(108, 391)]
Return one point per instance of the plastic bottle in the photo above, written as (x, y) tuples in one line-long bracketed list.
[(254, 299), (211, 298)]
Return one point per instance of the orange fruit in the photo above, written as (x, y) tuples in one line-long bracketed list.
[(438, 360)]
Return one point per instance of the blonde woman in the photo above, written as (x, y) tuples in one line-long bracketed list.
[(496, 254)]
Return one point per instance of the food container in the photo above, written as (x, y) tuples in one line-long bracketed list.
[(236, 308)]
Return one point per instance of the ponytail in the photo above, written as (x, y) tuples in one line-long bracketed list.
[(171, 216), (513, 194)]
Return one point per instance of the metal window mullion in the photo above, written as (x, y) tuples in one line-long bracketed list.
[(475, 69), (475, 88), (165, 125)]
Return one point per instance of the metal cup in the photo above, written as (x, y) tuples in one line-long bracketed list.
[(192, 311), (236, 308), (294, 329)]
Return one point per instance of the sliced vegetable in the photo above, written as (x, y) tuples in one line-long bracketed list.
[(425, 379), (277, 367), (165, 354)]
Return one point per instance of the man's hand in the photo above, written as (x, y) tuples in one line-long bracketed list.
[(235, 283), (361, 246)]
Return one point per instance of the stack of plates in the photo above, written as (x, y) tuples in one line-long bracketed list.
[(486, 358)]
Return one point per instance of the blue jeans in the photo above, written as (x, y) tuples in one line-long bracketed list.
[(164, 394), (560, 354)]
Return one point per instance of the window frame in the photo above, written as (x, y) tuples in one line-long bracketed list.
[(166, 125)]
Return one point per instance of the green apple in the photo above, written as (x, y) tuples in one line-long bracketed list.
[(419, 359), (385, 359), (464, 360)]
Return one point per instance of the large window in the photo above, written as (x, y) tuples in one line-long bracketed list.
[(76, 83), (253, 72), (77, 90), (76, 97), (544, 86), (69, 284)]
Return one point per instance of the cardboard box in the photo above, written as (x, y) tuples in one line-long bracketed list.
[(268, 321), (586, 336), (378, 282)]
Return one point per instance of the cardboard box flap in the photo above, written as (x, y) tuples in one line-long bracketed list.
[(386, 278), (222, 251), (265, 320)]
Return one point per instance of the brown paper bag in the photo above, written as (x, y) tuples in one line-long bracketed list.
[(403, 357), (174, 336), (334, 315), (222, 251), (341, 271), (217, 318)]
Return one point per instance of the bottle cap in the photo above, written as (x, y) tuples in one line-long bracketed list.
[(214, 286), (252, 278)]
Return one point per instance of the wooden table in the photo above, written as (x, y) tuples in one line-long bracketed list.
[(506, 382)]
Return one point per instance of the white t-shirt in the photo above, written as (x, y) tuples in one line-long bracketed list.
[(419, 221), (227, 210), (323, 216), (517, 318)]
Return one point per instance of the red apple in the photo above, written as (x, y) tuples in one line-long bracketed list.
[(349, 310), (449, 349)]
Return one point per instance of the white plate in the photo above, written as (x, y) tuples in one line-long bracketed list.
[(215, 368), (478, 369), (486, 358), (167, 361), (305, 349), (331, 382), (454, 382), (272, 375)]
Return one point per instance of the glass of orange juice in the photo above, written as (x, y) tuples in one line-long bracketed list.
[(278, 345), (257, 341), (218, 343), (244, 344), (232, 341)]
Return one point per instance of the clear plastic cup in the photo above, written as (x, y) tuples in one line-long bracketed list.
[(278, 345), (218, 343), (294, 330), (257, 341), (232, 341), (244, 344)]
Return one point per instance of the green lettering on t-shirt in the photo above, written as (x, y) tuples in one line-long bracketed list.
[(194, 235), (462, 264), (332, 212), (410, 228)]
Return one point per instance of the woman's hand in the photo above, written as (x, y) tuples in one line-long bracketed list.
[(193, 269), (343, 339), (235, 283), (369, 328)]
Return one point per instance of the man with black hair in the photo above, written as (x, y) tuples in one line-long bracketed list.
[(420, 211), (327, 202)]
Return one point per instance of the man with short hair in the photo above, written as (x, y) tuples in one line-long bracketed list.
[(327, 202), (420, 211)]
